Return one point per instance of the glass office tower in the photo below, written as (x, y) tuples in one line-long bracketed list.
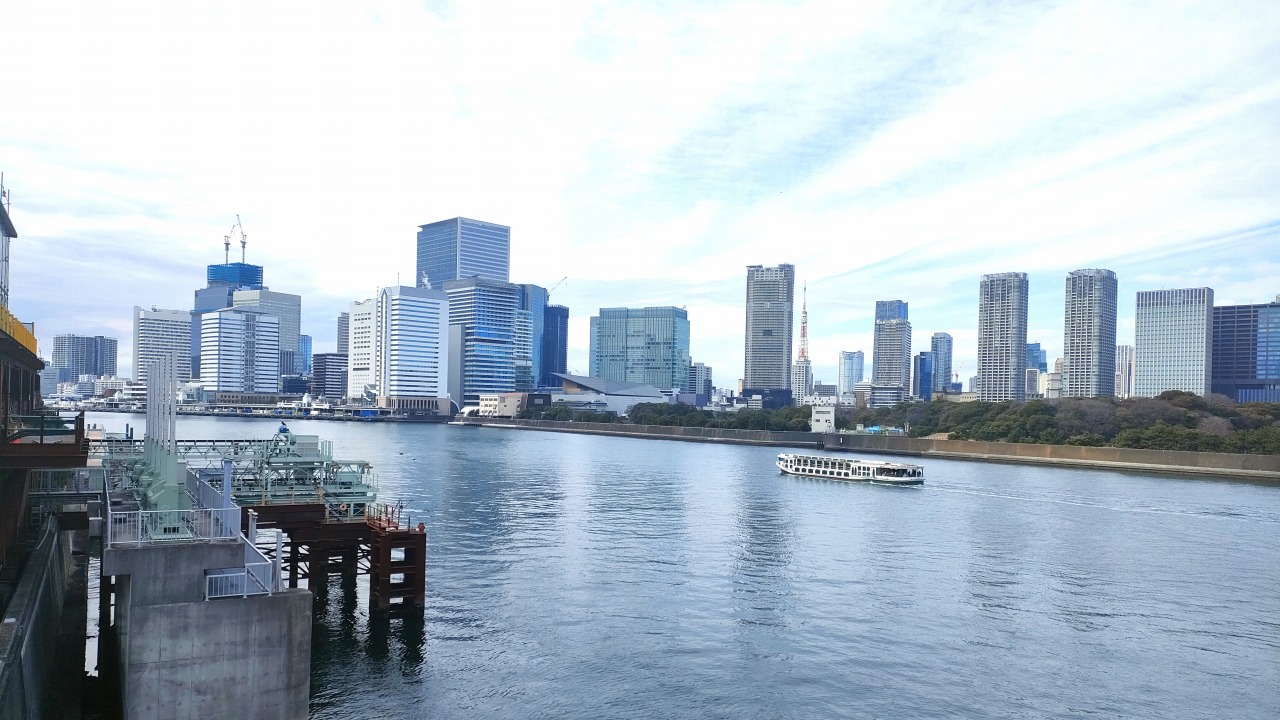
[(463, 248), (641, 345)]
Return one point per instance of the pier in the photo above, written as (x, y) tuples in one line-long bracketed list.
[(326, 510)]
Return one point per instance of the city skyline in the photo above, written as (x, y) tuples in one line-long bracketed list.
[(1122, 143)]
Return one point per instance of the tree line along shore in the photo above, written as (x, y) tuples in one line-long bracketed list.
[(1172, 421)]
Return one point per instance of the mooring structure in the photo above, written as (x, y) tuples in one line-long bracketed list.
[(326, 507)]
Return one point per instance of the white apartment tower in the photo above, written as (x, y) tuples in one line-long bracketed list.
[(361, 317), (1002, 337), (240, 351), (158, 334), (1124, 371), (850, 371), (770, 305), (411, 355), (700, 379), (1173, 346), (891, 355), (940, 345), (1089, 334)]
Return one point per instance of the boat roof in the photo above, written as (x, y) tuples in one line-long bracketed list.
[(860, 461)]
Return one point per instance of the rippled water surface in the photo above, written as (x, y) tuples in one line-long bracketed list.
[(595, 577)]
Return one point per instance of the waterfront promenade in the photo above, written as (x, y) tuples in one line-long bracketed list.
[(1222, 465)]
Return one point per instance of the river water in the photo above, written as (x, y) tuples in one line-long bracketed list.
[(595, 577)]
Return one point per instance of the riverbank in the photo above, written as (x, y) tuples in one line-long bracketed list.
[(1221, 465), (292, 416)]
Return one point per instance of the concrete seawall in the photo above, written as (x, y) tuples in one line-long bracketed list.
[(1254, 467), (34, 676)]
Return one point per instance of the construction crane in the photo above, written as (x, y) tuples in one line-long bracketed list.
[(226, 241), (556, 285)]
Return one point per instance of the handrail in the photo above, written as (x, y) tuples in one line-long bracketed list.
[(45, 428), (16, 329)]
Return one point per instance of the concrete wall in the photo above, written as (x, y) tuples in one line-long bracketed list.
[(230, 658), (1221, 464), (184, 657), (1064, 454), (727, 435), (30, 628)]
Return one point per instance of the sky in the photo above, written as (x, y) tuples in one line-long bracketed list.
[(647, 152)]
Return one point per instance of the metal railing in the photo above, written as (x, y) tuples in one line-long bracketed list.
[(78, 481), (259, 576), (45, 428), (18, 330), (136, 527)]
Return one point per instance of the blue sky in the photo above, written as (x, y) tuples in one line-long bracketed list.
[(647, 150)]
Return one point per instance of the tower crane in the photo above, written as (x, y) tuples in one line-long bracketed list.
[(556, 285), (226, 241)]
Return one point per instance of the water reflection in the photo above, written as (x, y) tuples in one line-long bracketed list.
[(579, 576)]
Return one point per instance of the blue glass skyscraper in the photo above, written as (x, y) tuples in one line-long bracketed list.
[(555, 344), (222, 281), (462, 248), (891, 310), (1037, 358), (1246, 352), (533, 300), (482, 337)]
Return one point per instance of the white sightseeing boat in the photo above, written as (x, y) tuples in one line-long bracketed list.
[(835, 468)]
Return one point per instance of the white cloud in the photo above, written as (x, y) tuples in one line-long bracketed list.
[(647, 151)]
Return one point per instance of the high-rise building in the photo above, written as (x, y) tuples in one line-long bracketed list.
[(1124, 371), (1032, 384), (361, 326), (1002, 337), (463, 248), (240, 351), (891, 354), (1246, 352), (288, 308), (221, 281), (940, 345), (482, 337), (849, 371), (801, 381), (555, 345), (891, 310), (329, 376), (411, 355), (700, 381), (648, 346), (85, 355), (1037, 358), (1089, 335), (1173, 346), (304, 355), (533, 312), (770, 307), (922, 375), (344, 331), (159, 334)]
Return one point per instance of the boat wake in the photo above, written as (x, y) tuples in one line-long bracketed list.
[(1106, 504)]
